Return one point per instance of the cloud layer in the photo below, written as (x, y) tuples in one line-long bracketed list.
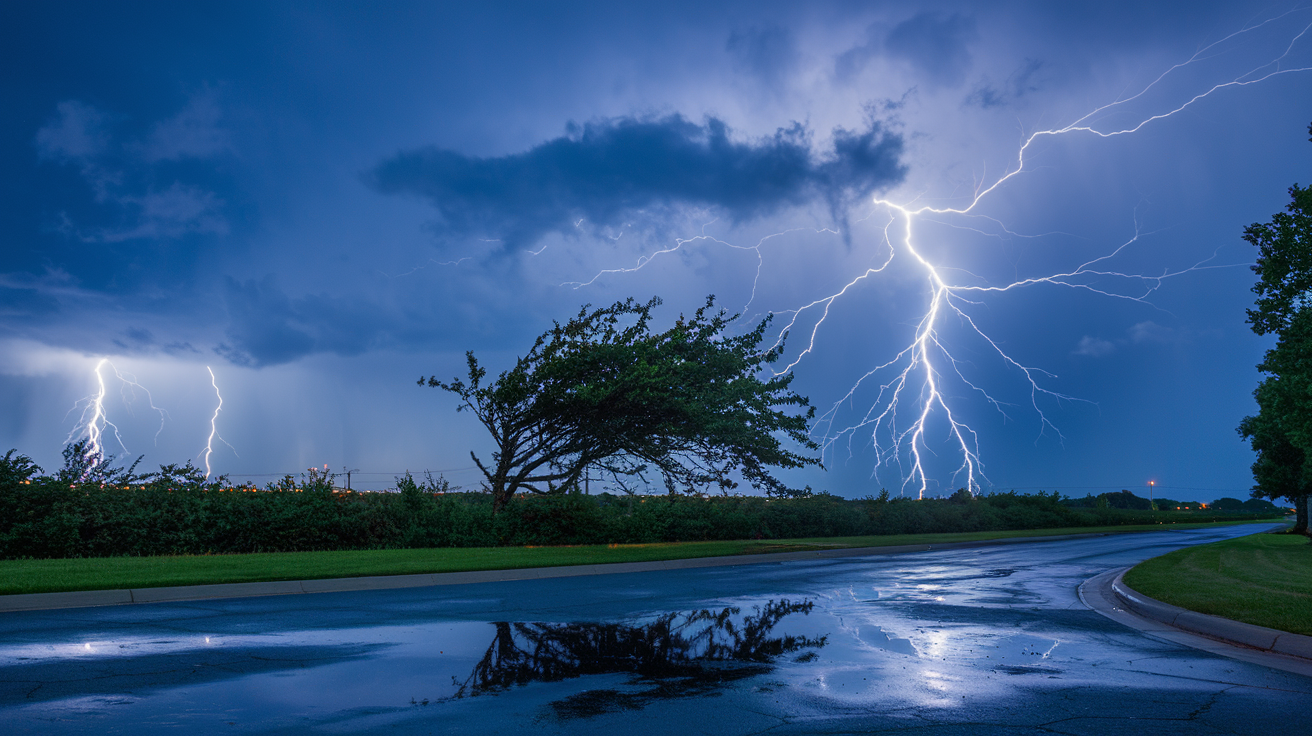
[(607, 170), (183, 181), (269, 328), (137, 198)]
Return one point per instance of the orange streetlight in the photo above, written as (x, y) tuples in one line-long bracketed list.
[(1151, 485)]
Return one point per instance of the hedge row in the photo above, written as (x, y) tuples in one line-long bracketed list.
[(179, 513)]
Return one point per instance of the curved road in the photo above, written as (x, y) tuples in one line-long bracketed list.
[(990, 640)]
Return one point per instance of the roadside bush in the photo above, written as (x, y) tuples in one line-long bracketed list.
[(176, 511)]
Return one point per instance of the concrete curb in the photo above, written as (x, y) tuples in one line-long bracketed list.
[(1097, 594), (89, 598), (1214, 627)]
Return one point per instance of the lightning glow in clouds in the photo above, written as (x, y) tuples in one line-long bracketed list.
[(945, 204), (911, 384)]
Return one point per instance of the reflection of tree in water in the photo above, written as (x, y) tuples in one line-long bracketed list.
[(676, 655)]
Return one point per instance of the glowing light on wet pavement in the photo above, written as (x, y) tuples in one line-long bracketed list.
[(994, 637)]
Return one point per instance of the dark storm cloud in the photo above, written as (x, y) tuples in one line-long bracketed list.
[(605, 170), (263, 325), (935, 44), (266, 327)]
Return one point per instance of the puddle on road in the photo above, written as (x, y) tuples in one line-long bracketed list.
[(861, 637), (877, 637), (676, 655)]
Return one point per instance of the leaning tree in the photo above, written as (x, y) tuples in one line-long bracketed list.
[(691, 407)]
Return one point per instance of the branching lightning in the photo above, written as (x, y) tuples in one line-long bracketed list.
[(911, 382), (129, 383), (94, 420), (94, 424), (214, 426)]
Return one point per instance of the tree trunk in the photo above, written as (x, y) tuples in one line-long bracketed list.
[(1300, 515), (497, 481), (500, 496)]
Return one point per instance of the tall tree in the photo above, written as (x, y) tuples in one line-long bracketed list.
[(1284, 263), (603, 393), (1281, 432), (1282, 468)]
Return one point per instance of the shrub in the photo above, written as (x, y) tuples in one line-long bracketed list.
[(177, 511)]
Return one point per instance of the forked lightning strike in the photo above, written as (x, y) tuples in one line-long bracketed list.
[(94, 420), (947, 298), (214, 426), (914, 375)]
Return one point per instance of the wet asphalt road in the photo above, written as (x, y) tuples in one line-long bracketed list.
[(991, 640)]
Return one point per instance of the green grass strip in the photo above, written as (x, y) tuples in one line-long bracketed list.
[(103, 573), (1263, 579)]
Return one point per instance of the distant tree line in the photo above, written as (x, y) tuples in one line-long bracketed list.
[(92, 509), (1124, 499)]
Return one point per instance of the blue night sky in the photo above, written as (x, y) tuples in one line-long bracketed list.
[(320, 202)]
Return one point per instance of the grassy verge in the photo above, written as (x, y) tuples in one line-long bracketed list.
[(1264, 579), (45, 576)]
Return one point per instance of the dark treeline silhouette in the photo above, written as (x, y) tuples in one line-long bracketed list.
[(1126, 500), (91, 509)]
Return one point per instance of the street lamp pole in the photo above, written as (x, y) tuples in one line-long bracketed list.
[(1151, 484)]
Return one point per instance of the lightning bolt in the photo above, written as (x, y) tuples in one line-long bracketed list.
[(946, 299), (129, 383), (94, 420), (214, 431), (912, 381)]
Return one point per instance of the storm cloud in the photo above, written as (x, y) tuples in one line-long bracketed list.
[(267, 327), (295, 196), (604, 171)]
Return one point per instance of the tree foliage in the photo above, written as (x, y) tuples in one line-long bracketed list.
[(1284, 263), (1281, 464), (17, 468), (1281, 432), (83, 464), (604, 393), (179, 512)]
